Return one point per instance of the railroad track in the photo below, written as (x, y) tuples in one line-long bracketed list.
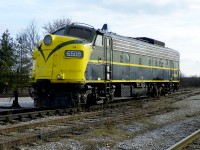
[(77, 123), (43, 130), (22, 114), (32, 113), (70, 125), (186, 142)]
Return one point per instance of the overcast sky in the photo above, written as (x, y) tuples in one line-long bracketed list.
[(175, 22)]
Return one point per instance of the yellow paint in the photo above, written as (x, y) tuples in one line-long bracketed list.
[(131, 65), (71, 69), (128, 81)]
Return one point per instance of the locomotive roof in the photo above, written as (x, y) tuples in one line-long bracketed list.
[(141, 40), (158, 50), (154, 46)]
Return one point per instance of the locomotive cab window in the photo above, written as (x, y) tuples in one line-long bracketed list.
[(108, 42), (59, 31), (99, 40), (80, 33)]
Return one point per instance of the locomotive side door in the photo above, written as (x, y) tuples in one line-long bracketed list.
[(108, 55), (108, 61)]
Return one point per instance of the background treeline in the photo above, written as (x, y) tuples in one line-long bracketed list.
[(16, 57), (193, 81)]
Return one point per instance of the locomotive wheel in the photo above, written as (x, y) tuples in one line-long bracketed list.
[(91, 100), (156, 91)]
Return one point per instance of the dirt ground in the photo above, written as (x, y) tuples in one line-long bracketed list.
[(170, 122)]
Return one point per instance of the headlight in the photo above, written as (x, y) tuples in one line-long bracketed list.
[(47, 40), (61, 76)]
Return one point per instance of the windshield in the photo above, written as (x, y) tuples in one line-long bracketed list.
[(77, 31), (80, 33), (59, 31)]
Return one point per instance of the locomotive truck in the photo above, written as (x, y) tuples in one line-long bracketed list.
[(80, 65)]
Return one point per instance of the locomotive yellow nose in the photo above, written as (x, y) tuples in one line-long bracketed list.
[(35, 54)]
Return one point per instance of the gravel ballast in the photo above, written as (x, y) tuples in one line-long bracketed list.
[(158, 131)]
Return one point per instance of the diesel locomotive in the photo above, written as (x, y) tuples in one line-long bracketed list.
[(80, 65)]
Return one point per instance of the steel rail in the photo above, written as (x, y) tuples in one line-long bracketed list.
[(33, 113), (186, 141)]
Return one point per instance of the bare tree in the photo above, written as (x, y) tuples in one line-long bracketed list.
[(25, 43), (55, 24), (29, 37)]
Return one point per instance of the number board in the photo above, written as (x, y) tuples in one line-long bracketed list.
[(72, 53)]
